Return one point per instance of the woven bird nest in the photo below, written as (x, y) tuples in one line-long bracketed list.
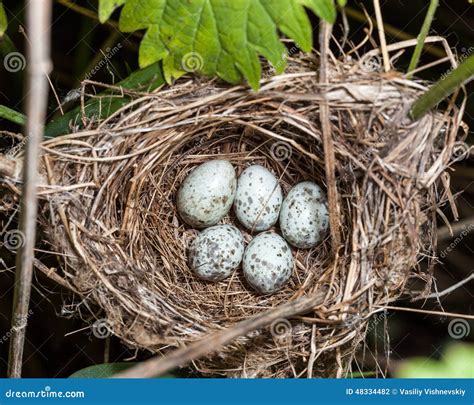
[(109, 212)]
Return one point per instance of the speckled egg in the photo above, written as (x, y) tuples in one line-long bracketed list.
[(304, 217), (258, 198), (267, 263), (216, 252), (207, 193)]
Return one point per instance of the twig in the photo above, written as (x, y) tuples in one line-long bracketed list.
[(446, 233), (93, 15), (424, 311), (425, 29), (329, 155), (39, 22), (83, 11), (23, 32), (390, 29), (160, 365), (383, 41), (447, 290)]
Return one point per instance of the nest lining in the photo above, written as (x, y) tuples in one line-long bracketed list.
[(109, 210)]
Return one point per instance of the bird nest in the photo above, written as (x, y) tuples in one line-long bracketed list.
[(108, 211)]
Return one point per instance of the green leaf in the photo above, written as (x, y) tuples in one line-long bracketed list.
[(324, 9), (102, 370), (12, 115), (102, 106), (218, 37), (457, 361), (3, 20), (107, 370), (107, 7), (443, 88), (342, 3)]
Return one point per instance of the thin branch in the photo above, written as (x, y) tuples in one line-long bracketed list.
[(160, 365), (383, 41), (425, 29), (392, 30), (39, 23), (451, 231), (93, 15), (424, 311), (447, 291), (329, 155)]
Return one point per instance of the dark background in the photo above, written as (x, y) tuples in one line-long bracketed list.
[(58, 345)]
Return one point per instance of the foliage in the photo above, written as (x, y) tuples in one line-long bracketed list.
[(3, 19), (443, 88), (102, 106), (107, 370), (457, 361), (12, 115), (218, 37)]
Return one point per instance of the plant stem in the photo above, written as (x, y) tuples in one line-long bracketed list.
[(79, 9), (39, 23), (443, 88), (12, 115), (382, 39), (425, 29), (92, 14), (325, 31)]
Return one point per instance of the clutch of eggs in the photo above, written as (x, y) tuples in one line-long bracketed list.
[(206, 197)]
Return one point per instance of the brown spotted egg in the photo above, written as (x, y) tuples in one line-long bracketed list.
[(258, 198), (267, 263), (304, 218), (216, 252), (207, 193)]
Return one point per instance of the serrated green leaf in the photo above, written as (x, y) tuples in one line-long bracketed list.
[(324, 9), (107, 7), (218, 37), (3, 20)]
